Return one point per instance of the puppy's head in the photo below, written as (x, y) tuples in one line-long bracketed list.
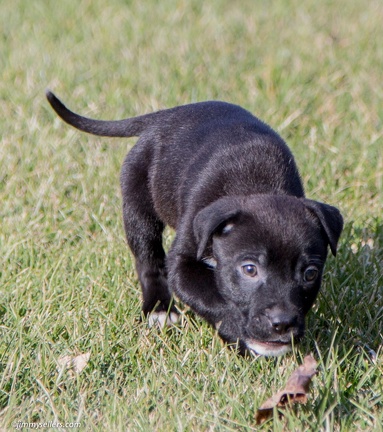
[(268, 254)]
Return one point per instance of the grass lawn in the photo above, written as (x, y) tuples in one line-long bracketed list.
[(313, 71)]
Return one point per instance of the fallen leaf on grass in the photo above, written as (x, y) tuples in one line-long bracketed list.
[(295, 391), (74, 363)]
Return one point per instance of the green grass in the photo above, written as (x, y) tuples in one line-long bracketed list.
[(312, 70)]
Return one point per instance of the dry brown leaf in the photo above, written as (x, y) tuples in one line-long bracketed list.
[(295, 391), (74, 363)]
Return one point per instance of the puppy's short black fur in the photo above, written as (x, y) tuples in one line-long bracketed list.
[(249, 250)]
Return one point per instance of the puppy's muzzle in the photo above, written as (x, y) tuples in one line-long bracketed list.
[(282, 323), (274, 331)]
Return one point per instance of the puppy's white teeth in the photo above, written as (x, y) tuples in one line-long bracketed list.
[(162, 319), (265, 349)]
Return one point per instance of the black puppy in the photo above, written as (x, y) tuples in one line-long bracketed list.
[(249, 250)]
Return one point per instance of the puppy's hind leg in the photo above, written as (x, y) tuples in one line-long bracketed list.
[(144, 231)]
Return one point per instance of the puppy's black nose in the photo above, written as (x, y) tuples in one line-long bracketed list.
[(282, 322)]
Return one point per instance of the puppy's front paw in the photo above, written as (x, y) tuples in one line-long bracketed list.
[(218, 325), (163, 319)]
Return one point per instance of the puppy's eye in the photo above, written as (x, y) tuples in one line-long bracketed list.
[(310, 274), (249, 270)]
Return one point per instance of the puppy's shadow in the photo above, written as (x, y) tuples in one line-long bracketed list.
[(344, 327), (351, 299)]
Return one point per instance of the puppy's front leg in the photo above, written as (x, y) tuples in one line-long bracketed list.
[(194, 284)]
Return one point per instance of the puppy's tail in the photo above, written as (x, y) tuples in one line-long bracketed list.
[(118, 128)]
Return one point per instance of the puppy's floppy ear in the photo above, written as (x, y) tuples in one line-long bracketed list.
[(330, 219), (211, 218)]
